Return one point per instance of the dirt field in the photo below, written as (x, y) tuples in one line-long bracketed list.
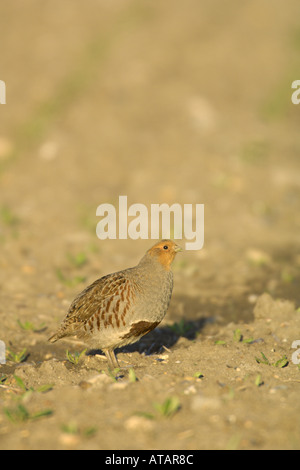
[(171, 101)]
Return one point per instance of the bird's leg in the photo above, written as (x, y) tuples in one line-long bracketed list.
[(111, 358)]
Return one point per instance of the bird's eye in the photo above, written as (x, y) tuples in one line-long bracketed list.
[(166, 247)]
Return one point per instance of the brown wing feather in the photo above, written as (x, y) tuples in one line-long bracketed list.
[(88, 302)]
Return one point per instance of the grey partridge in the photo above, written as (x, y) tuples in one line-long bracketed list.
[(118, 309)]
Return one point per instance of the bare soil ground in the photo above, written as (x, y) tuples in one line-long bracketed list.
[(163, 102)]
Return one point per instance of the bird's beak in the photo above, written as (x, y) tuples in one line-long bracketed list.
[(177, 248)]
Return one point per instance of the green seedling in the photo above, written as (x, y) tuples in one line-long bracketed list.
[(20, 414), (132, 375), (144, 414), (42, 389), (20, 383), (78, 260), (168, 408), (258, 382), (238, 337), (72, 428), (234, 442), (69, 282), (282, 362), (17, 357), (90, 431), (28, 326), (74, 358), (198, 375), (263, 359), (248, 340), (7, 217), (113, 373), (3, 379), (287, 276), (181, 328)]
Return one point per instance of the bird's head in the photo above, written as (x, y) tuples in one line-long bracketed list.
[(164, 252)]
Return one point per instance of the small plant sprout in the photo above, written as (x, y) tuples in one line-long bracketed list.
[(237, 335), (28, 326), (263, 359), (73, 428), (282, 362), (258, 381), (181, 328), (78, 260), (3, 378), (69, 282), (74, 358), (17, 357), (42, 389), (113, 374), (198, 375), (132, 376), (7, 217), (20, 414), (169, 407)]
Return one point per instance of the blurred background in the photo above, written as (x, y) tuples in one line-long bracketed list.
[(170, 101)]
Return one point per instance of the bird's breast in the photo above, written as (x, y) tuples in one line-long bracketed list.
[(152, 299)]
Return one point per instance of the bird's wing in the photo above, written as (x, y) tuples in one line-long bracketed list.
[(89, 301)]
